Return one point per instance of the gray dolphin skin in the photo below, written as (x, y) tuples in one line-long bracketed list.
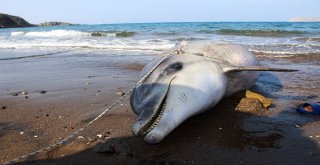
[(189, 83)]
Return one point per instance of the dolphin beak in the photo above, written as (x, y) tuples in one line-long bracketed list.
[(142, 126)]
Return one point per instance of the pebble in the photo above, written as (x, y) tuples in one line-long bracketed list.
[(116, 146), (42, 92), (24, 93), (220, 128), (21, 133), (14, 94), (3, 107), (119, 93), (26, 97), (80, 137), (60, 117), (35, 136), (99, 136)]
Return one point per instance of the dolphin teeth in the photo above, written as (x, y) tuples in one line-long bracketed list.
[(155, 119)]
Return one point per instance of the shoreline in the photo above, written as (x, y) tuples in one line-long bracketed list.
[(77, 90)]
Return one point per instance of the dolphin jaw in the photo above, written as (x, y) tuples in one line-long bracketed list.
[(155, 119)]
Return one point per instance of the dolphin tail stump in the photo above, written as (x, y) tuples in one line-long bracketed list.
[(187, 81)]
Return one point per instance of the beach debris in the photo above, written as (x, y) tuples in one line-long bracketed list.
[(4, 107), (80, 137), (99, 136), (297, 125), (35, 136), (249, 105), (120, 93), (91, 140), (264, 101), (21, 133)]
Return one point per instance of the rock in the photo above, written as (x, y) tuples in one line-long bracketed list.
[(114, 146), (24, 93), (56, 24), (3, 107), (10, 21), (119, 93), (42, 92), (14, 94)]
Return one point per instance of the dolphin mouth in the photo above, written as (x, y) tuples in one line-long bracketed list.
[(155, 119)]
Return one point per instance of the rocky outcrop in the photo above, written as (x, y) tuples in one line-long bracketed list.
[(9, 21), (56, 24)]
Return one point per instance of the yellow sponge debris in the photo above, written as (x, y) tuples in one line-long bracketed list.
[(264, 101)]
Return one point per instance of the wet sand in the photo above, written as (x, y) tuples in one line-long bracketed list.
[(62, 94)]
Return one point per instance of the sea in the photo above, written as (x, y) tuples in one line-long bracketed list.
[(268, 38)]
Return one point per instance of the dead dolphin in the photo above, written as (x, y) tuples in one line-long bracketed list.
[(189, 83)]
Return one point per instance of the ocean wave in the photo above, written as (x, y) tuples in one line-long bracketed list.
[(281, 53), (112, 34), (256, 33), (72, 34), (168, 33), (113, 44), (307, 39)]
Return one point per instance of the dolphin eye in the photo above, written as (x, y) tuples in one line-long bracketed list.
[(176, 66), (172, 69)]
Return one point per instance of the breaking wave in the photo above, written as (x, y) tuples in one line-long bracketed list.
[(257, 33), (73, 33), (307, 39)]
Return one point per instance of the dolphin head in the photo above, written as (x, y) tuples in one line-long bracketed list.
[(180, 87)]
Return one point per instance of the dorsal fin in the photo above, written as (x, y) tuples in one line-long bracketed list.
[(256, 68)]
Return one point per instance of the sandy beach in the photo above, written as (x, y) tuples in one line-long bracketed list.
[(44, 99)]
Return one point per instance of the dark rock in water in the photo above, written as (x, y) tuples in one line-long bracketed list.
[(9, 21), (56, 24)]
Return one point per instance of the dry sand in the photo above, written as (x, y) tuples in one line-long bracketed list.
[(60, 100)]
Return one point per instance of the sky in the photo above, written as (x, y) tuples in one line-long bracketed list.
[(141, 11)]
